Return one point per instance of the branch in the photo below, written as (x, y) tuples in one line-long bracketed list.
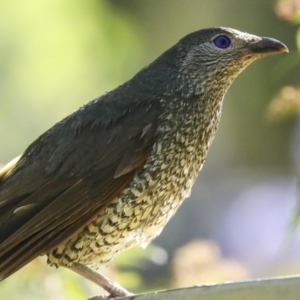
[(287, 288)]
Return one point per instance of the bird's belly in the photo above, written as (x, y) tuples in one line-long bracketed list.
[(121, 226)]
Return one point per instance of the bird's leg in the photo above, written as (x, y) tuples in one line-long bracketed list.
[(114, 289)]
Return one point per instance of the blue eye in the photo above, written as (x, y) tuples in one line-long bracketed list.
[(222, 41)]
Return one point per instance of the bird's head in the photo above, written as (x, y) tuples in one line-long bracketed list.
[(214, 57)]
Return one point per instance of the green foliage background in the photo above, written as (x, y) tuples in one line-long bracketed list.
[(55, 55)]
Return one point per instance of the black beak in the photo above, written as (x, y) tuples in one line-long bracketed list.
[(267, 46)]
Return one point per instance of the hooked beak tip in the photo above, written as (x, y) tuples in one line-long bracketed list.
[(268, 46)]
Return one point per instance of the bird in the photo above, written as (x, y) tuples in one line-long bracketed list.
[(110, 175)]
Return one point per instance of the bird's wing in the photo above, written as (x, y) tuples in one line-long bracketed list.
[(64, 180)]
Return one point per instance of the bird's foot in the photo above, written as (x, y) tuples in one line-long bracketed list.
[(111, 296)]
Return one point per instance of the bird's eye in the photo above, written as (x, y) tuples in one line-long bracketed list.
[(222, 41)]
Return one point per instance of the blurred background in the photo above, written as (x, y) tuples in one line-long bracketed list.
[(55, 55)]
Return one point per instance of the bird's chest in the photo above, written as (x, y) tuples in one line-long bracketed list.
[(151, 199)]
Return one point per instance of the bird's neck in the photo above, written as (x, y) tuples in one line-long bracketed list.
[(191, 125)]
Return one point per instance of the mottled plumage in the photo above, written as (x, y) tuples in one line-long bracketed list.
[(110, 176)]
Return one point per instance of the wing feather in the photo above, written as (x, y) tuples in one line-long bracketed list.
[(66, 178)]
